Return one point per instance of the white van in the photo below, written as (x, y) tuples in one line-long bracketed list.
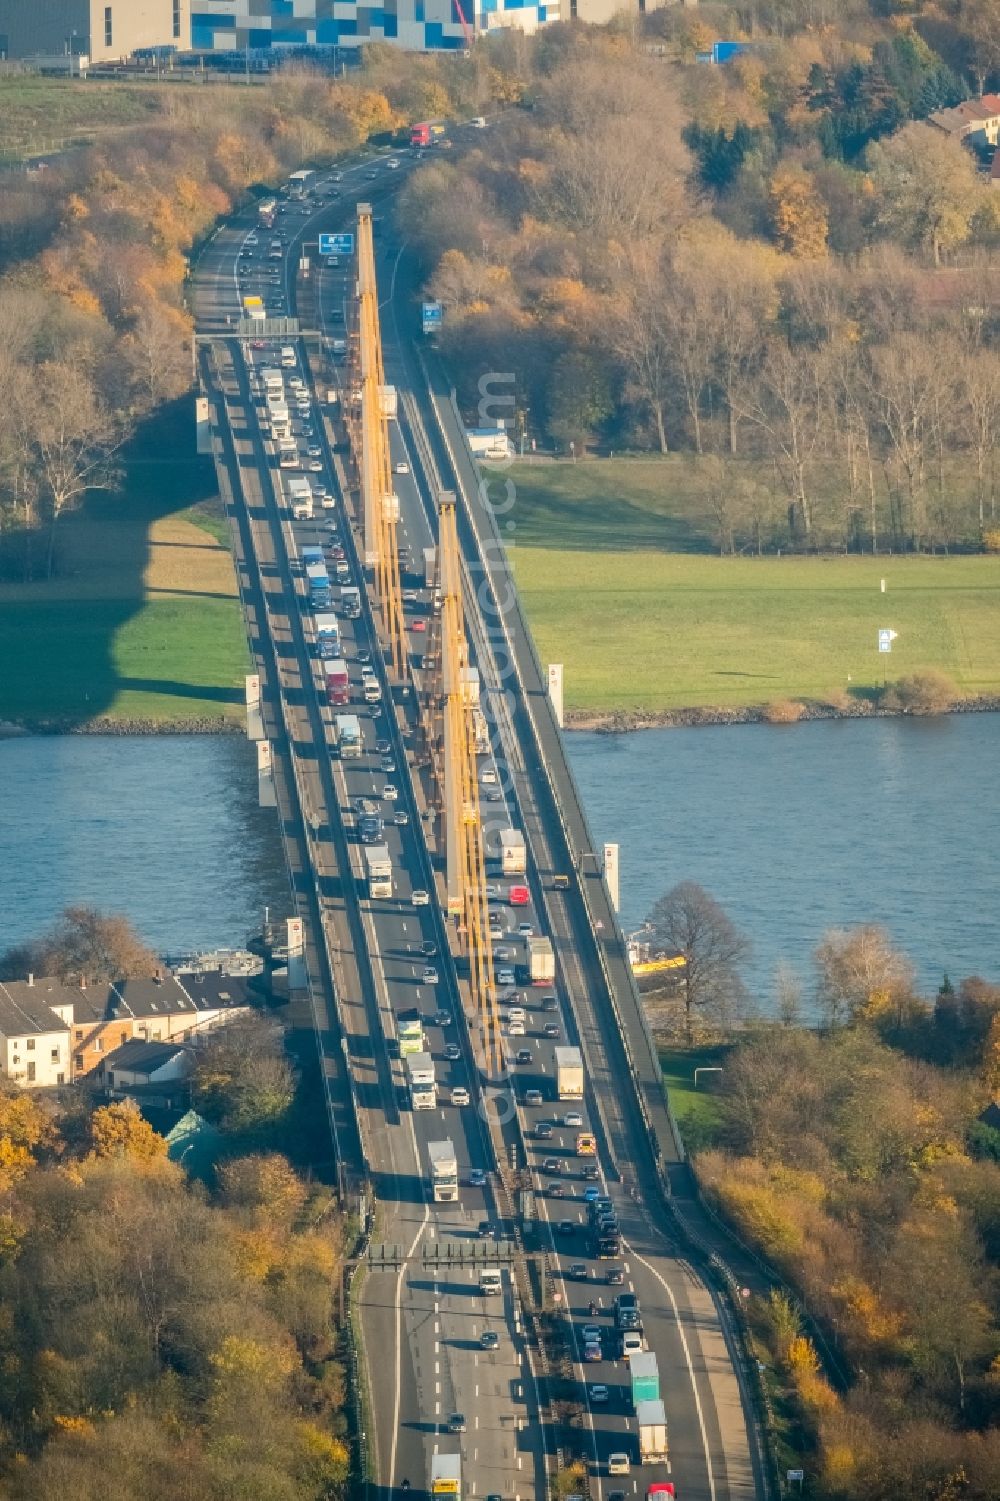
[(288, 360), (490, 1281)]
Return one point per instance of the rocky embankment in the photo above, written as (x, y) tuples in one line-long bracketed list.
[(623, 721)]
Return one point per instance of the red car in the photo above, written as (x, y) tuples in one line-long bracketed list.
[(662, 1490), (419, 625)]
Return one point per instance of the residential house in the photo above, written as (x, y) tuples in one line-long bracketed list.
[(161, 1008), (975, 121), (35, 1018), (144, 1065)]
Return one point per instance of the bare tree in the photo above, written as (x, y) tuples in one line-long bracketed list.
[(74, 438), (979, 416), (158, 346), (83, 944), (860, 974), (641, 335), (787, 399), (688, 921)]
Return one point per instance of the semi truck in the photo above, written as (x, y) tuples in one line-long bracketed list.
[(410, 1027), (420, 1076), (378, 865), (327, 635), (298, 492), (320, 593), (541, 961), (569, 1073), (446, 1476), (348, 728), (279, 420), (513, 858), (481, 730), (645, 1377), (350, 599), (444, 1171), (651, 1421), (338, 687)]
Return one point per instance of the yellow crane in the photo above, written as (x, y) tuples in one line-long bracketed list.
[(379, 503), (465, 839)]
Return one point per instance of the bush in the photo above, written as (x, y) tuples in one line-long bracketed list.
[(837, 699), (926, 692), (783, 711)]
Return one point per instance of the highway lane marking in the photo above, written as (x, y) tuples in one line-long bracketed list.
[(687, 1356), (397, 1396)]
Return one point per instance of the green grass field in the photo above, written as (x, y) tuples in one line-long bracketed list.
[(143, 619), (696, 1109), (37, 114), (620, 587)]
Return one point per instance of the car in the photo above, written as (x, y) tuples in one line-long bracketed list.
[(485, 1230), (550, 1003), (442, 1018), (459, 1095), (631, 1344), (420, 898), (516, 1029), (614, 1276), (393, 163), (591, 1171), (572, 1118), (387, 764), (593, 1351), (526, 929), (660, 1490), (532, 1096), (401, 818), (371, 176), (504, 976), (590, 1332), (552, 1029), (453, 1052), (383, 747), (494, 796), (428, 949), (296, 382), (543, 1131), (315, 466), (552, 1165), (556, 1190), (488, 774), (578, 1271), (592, 1193), (489, 1339), (597, 1394), (502, 953), (314, 451), (401, 467), (516, 1014), (477, 1178), (429, 975), (418, 626), (456, 1420), (337, 177), (524, 1055), (618, 1463), (364, 657), (390, 793)]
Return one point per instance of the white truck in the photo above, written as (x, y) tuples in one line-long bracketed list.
[(513, 858), (420, 1077), (481, 731), (300, 497), (446, 1476), (272, 379), (387, 401), (348, 728), (569, 1073), (541, 961), (430, 566), (378, 865), (444, 1171), (279, 419), (651, 1421)]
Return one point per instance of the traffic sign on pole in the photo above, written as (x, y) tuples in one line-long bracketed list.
[(885, 640), (341, 244)]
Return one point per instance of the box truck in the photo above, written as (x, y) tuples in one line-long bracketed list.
[(569, 1073)]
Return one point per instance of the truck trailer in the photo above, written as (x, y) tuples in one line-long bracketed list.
[(327, 635), (300, 497), (348, 728), (410, 1029), (446, 1476), (645, 1377), (378, 865), (338, 687), (420, 1077), (444, 1171), (651, 1421), (569, 1073), (541, 961), (513, 857)]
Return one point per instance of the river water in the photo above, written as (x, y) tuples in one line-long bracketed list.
[(796, 829), (793, 829), (163, 828)]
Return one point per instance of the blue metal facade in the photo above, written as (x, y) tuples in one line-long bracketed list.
[(419, 25)]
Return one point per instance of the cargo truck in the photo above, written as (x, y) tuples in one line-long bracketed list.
[(410, 1028), (280, 421), (645, 1377), (320, 592), (348, 728), (338, 687), (481, 731), (350, 600), (327, 636), (272, 380), (387, 401), (446, 1476), (541, 961), (300, 499), (444, 1171), (378, 866), (512, 852), (430, 566), (420, 1076), (651, 1421), (569, 1073)]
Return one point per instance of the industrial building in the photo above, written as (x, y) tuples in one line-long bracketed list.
[(93, 29), (418, 25)]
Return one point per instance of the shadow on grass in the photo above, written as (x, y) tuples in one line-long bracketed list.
[(61, 650), (557, 509)]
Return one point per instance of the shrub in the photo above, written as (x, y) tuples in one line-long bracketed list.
[(926, 692), (783, 711), (837, 699)]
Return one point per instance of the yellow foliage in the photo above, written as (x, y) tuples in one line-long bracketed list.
[(80, 1427), (257, 1253), (866, 1309), (798, 215), (76, 208), (248, 1359), (325, 1459), (119, 1130), (503, 87), (991, 539), (759, 1213)]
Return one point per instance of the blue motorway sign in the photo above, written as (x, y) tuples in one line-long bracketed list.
[(431, 316), (336, 244)]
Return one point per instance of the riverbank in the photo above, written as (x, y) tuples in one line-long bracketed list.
[(625, 721)]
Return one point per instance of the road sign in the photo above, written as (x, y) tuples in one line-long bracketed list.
[(342, 244), (885, 640), (797, 1475), (431, 317)]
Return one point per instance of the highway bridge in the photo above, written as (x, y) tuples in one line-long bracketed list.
[(448, 1368)]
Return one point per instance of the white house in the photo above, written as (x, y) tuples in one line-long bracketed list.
[(138, 1065), (35, 1018)]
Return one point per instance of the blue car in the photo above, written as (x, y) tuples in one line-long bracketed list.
[(592, 1194)]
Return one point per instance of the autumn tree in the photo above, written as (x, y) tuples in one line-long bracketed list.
[(119, 1130), (83, 944), (798, 215), (860, 975), (928, 187), (265, 1185), (242, 1079), (689, 922)]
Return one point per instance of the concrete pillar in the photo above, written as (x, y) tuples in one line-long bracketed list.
[(556, 690), (297, 973), (266, 795), (611, 874), (203, 426), (255, 719)]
